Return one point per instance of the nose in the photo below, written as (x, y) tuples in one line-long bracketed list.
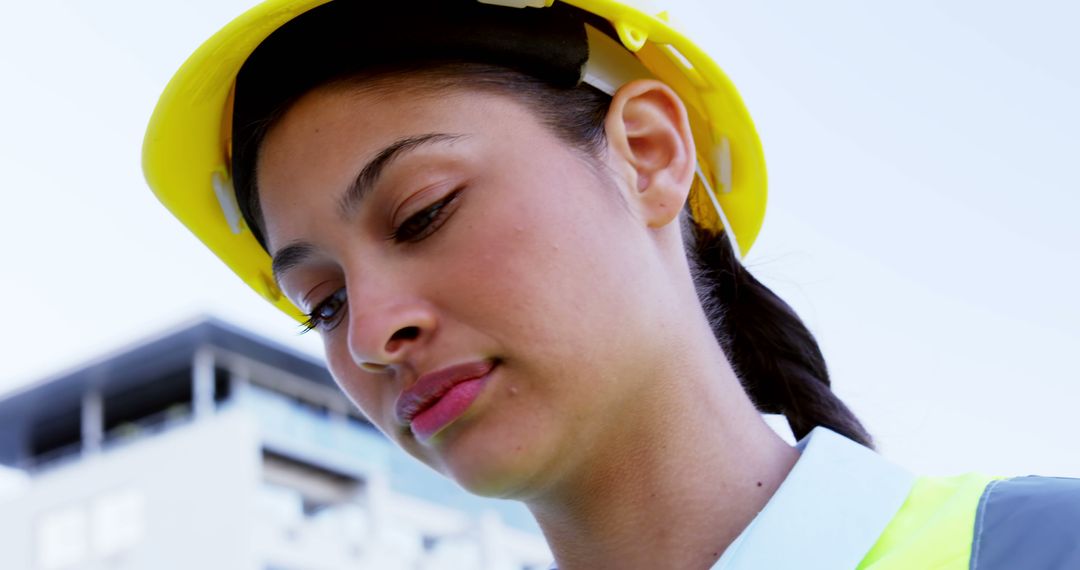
[(384, 330)]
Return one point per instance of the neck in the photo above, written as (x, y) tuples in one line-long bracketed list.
[(675, 483)]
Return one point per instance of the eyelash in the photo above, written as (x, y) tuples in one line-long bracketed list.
[(317, 320), (429, 220)]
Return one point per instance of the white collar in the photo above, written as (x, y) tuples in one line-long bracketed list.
[(828, 512)]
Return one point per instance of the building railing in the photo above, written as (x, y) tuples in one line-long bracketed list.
[(126, 433), (119, 436), (52, 459)]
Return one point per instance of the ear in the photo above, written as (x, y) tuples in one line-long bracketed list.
[(652, 148)]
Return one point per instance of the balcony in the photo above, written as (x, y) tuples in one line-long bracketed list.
[(310, 433)]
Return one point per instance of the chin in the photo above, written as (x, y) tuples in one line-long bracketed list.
[(502, 467), (495, 483)]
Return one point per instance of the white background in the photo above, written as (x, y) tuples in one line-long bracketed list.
[(923, 192)]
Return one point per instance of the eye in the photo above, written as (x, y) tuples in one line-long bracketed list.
[(424, 223), (327, 314)]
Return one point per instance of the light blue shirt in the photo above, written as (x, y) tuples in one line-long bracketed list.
[(828, 512)]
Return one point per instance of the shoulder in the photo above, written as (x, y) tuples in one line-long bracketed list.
[(933, 528), (1027, 522), (977, 522)]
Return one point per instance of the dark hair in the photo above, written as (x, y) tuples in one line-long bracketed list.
[(774, 355)]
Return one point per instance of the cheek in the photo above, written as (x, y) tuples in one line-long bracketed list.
[(544, 269), (505, 274), (368, 392)]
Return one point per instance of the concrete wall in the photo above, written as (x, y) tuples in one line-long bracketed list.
[(196, 495), (174, 501)]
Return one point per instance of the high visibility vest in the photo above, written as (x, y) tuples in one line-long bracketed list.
[(844, 506), (979, 523)]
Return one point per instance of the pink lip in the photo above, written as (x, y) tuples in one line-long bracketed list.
[(440, 397)]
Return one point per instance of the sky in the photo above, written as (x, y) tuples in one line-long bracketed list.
[(923, 194)]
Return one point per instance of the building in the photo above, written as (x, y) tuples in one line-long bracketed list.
[(209, 447)]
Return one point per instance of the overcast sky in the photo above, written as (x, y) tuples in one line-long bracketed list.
[(922, 218)]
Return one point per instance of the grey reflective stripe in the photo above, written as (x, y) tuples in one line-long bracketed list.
[(1029, 523)]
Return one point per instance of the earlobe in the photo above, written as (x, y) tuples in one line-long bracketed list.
[(651, 145)]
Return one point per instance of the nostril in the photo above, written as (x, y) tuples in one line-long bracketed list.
[(400, 337), (406, 333)]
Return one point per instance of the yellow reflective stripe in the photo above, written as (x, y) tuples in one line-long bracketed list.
[(934, 527)]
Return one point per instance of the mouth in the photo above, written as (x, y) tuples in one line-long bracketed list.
[(439, 398)]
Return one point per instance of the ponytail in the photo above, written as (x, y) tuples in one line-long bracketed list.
[(773, 353)]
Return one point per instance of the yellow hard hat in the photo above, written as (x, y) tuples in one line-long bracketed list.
[(187, 151)]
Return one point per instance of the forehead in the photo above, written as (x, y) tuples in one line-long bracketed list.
[(317, 148), (362, 121)]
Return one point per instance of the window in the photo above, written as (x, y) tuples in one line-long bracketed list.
[(71, 536), (62, 539), (117, 522)]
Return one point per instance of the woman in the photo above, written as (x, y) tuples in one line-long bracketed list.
[(520, 244)]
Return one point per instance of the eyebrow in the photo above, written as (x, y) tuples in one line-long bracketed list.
[(289, 257), (295, 253), (369, 175)]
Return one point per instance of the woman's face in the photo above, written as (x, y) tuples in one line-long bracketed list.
[(457, 248)]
